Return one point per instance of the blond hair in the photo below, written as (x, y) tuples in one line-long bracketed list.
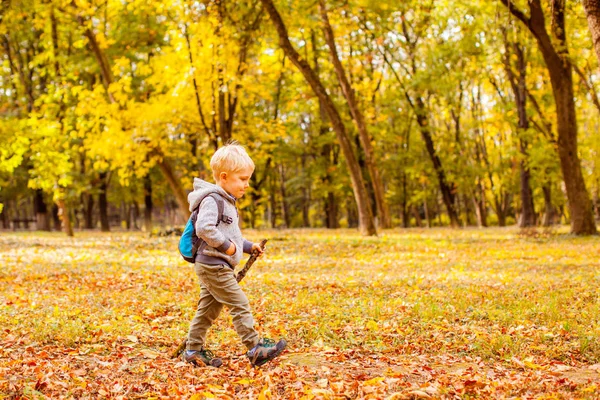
[(230, 158)]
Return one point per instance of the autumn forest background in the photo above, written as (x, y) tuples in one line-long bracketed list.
[(358, 114), (427, 175)]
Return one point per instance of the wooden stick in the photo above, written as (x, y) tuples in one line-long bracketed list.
[(250, 261), (238, 277)]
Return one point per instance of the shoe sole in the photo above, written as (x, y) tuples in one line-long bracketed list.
[(215, 362), (275, 355)]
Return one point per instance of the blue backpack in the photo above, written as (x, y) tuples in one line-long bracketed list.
[(189, 243)]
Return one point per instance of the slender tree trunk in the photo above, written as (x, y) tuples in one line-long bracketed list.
[(418, 221), (56, 223), (550, 210), (41, 211), (405, 216), (136, 215), (88, 204), (4, 214), (327, 152), (561, 77), (148, 205), (63, 213), (273, 209), (126, 214), (305, 196), (480, 206), (427, 213), (103, 203), (519, 86), (477, 210), (500, 212), (468, 211), (180, 196), (527, 217), (102, 60), (366, 224), (351, 214), (332, 211), (359, 120), (284, 202), (592, 11), (447, 188), (207, 130), (597, 200)]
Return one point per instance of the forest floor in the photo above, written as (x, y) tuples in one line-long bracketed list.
[(417, 313)]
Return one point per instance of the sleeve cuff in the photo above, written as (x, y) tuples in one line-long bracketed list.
[(223, 248), (247, 246)]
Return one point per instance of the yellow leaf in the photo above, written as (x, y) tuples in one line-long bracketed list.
[(372, 325), (265, 393), (374, 381), (202, 395), (532, 365)]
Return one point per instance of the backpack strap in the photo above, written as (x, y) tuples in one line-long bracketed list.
[(197, 242), (220, 206)]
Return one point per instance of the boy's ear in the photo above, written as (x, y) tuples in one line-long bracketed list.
[(223, 176)]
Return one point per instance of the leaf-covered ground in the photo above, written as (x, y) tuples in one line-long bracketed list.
[(411, 314)]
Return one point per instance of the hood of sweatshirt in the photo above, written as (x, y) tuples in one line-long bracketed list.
[(202, 189)]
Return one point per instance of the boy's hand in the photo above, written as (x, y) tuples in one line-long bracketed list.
[(256, 246), (231, 250)]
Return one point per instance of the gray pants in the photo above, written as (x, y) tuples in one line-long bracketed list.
[(218, 287)]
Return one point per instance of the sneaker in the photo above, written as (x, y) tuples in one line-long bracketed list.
[(205, 356), (265, 351)]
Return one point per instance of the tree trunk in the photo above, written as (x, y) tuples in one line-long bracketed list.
[(427, 213), (331, 211), (405, 216), (501, 215), (273, 203), (480, 206), (207, 130), (550, 210), (383, 213), (592, 11), (417, 214), (305, 207), (519, 86), (88, 205), (135, 213), (351, 216), (468, 211), (102, 60), (148, 203), (180, 197), (56, 223), (366, 223), (597, 200), (4, 215), (41, 211), (126, 214), (284, 202), (561, 77), (447, 189), (327, 153), (103, 203), (63, 213)]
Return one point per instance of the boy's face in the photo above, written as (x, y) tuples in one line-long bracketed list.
[(236, 183)]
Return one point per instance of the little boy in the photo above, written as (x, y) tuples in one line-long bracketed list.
[(220, 251)]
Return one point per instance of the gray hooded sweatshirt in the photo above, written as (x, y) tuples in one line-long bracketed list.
[(218, 237)]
